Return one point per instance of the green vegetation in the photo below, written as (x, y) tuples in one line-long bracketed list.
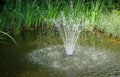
[(101, 15), (2, 37), (110, 23)]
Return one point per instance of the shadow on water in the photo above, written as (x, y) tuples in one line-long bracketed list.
[(12, 57), (14, 61)]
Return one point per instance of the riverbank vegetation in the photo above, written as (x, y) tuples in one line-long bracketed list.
[(4, 36), (95, 15)]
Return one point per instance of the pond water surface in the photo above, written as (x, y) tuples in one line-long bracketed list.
[(43, 55)]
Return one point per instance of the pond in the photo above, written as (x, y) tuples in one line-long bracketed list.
[(39, 54)]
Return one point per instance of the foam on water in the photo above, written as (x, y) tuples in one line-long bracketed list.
[(83, 58)]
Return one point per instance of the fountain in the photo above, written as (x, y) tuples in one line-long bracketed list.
[(69, 29), (87, 61)]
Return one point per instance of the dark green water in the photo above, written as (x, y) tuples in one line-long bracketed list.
[(14, 60)]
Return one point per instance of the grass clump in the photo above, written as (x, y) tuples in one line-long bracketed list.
[(110, 23), (18, 14)]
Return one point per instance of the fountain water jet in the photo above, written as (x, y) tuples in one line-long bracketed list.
[(69, 29)]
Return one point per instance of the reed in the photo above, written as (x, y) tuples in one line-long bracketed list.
[(2, 37), (18, 14)]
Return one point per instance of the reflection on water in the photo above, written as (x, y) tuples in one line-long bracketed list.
[(94, 56)]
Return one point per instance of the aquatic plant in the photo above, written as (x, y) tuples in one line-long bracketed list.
[(18, 14), (5, 34), (110, 23), (94, 10), (29, 11), (12, 16)]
